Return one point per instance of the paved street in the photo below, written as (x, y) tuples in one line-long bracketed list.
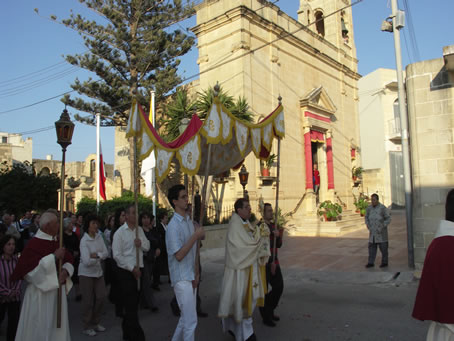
[(328, 295)]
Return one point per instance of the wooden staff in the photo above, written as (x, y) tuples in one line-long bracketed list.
[(60, 241), (136, 205), (276, 206), (192, 198), (202, 214)]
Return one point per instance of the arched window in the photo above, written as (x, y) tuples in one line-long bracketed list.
[(320, 23), (344, 30), (44, 171), (396, 109), (92, 168), (308, 17)]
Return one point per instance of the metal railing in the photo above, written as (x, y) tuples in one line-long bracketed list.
[(394, 127), (215, 215)]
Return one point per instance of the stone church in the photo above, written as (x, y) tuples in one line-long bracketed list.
[(255, 50)]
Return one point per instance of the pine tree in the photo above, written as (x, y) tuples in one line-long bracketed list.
[(132, 49)]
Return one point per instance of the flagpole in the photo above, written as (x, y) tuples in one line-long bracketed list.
[(98, 168), (153, 170)]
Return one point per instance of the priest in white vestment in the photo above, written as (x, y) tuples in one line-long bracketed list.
[(244, 284), (38, 266)]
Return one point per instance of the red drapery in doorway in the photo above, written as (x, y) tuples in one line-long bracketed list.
[(317, 136), (308, 159)]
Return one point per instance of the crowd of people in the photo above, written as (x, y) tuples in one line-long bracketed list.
[(123, 262), (96, 261)]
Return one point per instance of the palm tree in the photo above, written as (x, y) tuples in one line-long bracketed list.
[(205, 101), (238, 108), (180, 107)]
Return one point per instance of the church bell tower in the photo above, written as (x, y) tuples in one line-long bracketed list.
[(336, 28)]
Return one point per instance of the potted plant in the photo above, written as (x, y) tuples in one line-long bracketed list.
[(269, 162), (361, 206), (329, 210), (356, 173)]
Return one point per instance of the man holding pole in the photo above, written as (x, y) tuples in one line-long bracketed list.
[(38, 266), (181, 242), (273, 270), (129, 239), (244, 284)]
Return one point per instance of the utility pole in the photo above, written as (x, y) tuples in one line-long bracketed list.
[(397, 24)]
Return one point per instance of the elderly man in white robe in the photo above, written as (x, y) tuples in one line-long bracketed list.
[(244, 284), (38, 266)]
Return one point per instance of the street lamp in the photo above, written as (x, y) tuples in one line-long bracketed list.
[(243, 175), (65, 129)]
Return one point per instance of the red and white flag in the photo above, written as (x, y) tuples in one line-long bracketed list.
[(102, 175)]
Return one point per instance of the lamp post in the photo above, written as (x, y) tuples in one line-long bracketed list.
[(65, 129), (243, 175)]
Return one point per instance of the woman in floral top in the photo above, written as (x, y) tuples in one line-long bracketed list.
[(9, 291)]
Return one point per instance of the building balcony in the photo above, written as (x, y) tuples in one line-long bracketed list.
[(394, 131)]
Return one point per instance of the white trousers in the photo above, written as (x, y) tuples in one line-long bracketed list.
[(440, 332), (187, 299)]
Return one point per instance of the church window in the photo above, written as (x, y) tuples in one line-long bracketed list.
[(92, 169), (344, 30), (319, 23)]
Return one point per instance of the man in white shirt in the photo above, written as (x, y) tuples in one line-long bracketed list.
[(181, 242), (124, 248)]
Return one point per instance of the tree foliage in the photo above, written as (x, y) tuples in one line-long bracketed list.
[(132, 49), (182, 106), (88, 206), (23, 190)]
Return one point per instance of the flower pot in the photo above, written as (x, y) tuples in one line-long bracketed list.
[(265, 172), (355, 178)]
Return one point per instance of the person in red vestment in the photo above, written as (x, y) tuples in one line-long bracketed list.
[(38, 266), (316, 180), (435, 297)]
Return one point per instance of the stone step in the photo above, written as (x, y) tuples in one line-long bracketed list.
[(325, 231)]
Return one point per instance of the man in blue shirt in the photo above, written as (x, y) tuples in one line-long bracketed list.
[(181, 242)]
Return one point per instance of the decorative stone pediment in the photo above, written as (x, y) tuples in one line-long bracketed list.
[(318, 100)]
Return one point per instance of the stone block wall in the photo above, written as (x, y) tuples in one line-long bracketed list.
[(430, 99)]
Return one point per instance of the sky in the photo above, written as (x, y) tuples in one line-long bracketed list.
[(32, 67)]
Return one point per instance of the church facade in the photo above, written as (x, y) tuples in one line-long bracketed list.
[(255, 50)]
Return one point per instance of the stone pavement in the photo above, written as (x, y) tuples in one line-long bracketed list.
[(347, 253)]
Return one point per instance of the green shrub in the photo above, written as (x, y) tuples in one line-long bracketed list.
[(87, 205)]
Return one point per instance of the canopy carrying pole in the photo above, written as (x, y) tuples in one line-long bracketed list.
[(202, 215), (153, 170), (276, 206), (192, 197), (98, 175), (60, 239), (136, 204)]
